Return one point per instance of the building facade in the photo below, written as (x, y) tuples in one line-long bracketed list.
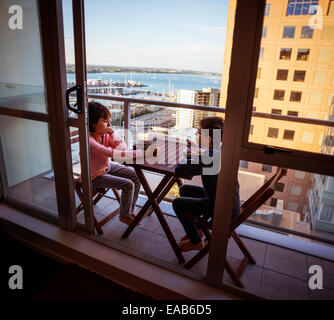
[(295, 78), (187, 118)]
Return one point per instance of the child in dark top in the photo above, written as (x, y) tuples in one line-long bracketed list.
[(196, 199)]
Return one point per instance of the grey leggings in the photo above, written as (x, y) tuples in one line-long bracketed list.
[(122, 178)]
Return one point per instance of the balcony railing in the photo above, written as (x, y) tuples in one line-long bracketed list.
[(127, 118)]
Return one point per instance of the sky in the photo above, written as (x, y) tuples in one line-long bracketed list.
[(183, 34)]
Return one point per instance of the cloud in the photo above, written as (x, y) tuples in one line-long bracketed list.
[(194, 56)]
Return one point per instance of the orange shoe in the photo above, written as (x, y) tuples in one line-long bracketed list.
[(188, 246), (126, 220), (185, 237)]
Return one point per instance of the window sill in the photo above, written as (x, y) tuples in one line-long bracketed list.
[(125, 270)]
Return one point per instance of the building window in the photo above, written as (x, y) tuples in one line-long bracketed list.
[(279, 186), (330, 11), (256, 93), (272, 132), (243, 164), (285, 54), (279, 95), (258, 76), (301, 7), (266, 12), (299, 175), (261, 52), (251, 130), (264, 31), (299, 76), (303, 54), (288, 134), (282, 74), (267, 168), (276, 111), (295, 96), (292, 206), (289, 32), (307, 32), (273, 202), (296, 190), (293, 113)]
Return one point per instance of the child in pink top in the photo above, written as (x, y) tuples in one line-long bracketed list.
[(105, 144)]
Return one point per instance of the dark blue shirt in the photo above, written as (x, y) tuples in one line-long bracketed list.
[(207, 160)]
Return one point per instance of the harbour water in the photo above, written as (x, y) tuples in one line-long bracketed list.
[(158, 82)]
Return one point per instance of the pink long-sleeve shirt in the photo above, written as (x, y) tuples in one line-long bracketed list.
[(112, 147)]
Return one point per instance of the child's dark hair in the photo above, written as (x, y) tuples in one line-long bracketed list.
[(212, 123), (96, 111)]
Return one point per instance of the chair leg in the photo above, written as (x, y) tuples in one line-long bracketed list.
[(197, 257), (97, 226), (242, 247), (233, 275), (116, 193)]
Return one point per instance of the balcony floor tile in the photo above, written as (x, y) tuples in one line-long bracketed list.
[(286, 261)]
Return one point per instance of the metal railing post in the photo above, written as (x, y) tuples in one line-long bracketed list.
[(127, 114)]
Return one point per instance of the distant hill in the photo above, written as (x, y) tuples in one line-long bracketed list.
[(95, 69)]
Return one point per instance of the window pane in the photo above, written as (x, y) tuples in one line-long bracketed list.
[(303, 54), (276, 111), (293, 113), (272, 132), (307, 32), (21, 61), (285, 53), (267, 9), (29, 172), (282, 74), (279, 186), (264, 31), (289, 31), (279, 95), (295, 96), (299, 75), (288, 134)]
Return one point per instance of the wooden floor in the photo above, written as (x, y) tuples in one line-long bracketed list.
[(278, 274)]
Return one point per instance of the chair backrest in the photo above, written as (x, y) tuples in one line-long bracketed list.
[(257, 199)]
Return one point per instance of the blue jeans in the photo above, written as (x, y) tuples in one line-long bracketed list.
[(192, 199)]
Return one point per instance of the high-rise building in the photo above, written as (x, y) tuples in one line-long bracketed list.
[(187, 118), (295, 77)]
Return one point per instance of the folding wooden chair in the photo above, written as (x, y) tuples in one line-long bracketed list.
[(97, 195), (246, 210)]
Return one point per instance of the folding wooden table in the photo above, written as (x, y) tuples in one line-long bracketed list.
[(170, 153)]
